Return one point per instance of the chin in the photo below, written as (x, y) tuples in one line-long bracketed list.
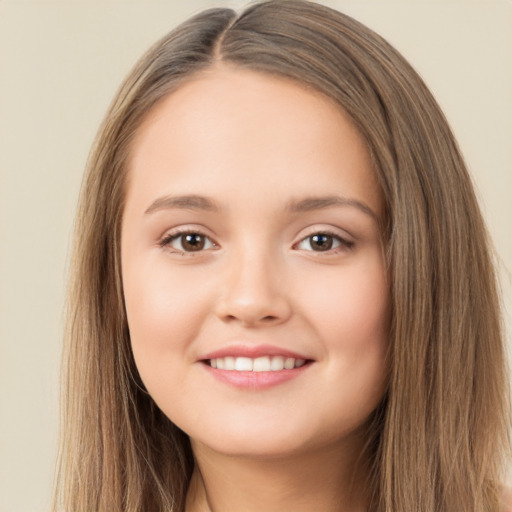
[(258, 441), (255, 449)]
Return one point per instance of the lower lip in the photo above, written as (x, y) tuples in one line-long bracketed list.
[(256, 380)]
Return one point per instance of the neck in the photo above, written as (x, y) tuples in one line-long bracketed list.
[(329, 479)]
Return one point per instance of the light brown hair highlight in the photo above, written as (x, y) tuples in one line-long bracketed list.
[(439, 440)]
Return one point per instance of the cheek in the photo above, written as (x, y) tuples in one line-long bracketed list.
[(351, 304), (163, 308), (350, 313)]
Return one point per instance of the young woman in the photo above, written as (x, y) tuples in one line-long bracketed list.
[(283, 296)]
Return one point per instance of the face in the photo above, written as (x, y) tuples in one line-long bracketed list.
[(253, 272)]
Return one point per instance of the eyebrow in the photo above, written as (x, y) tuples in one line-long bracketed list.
[(190, 202), (196, 202), (319, 203)]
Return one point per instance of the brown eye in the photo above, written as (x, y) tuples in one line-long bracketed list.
[(324, 242), (193, 242), (321, 242), (187, 242)]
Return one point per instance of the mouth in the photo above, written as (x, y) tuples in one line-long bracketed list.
[(257, 364), (255, 367)]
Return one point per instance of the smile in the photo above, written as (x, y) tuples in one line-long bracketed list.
[(255, 366), (258, 364)]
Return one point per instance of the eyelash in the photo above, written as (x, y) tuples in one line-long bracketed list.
[(171, 237), (344, 244)]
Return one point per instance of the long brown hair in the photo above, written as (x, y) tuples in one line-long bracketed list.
[(440, 438)]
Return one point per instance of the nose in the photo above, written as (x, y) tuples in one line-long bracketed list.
[(253, 291)]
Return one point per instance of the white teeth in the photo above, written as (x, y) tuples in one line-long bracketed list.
[(289, 363), (243, 364), (259, 364), (277, 364), (229, 363)]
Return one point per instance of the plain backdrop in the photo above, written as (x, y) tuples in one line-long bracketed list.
[(60, 64)]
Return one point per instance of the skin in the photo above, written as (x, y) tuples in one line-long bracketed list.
[(252, 144)]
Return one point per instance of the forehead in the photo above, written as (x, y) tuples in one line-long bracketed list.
[(230, 131)]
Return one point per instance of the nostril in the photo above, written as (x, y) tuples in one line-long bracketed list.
[(253, 309)]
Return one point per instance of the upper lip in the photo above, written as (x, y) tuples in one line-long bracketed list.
[(252, 351)]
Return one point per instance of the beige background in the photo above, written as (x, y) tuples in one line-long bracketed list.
[(60, 63)]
